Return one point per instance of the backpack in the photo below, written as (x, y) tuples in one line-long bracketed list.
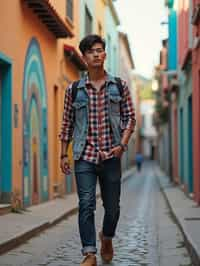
[(75, 88)]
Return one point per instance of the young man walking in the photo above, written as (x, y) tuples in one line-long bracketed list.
[(99, 115)]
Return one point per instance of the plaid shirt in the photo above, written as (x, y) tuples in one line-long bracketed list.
[(100, 138)]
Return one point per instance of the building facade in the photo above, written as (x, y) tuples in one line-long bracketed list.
[(39, 58), (35, 69), (196, 96), (125, 72), (185, 101), (183, 88), (112, 39), (172, 76)]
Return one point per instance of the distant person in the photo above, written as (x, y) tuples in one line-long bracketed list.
[(139, 160)]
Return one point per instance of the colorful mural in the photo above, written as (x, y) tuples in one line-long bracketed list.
[(35, 148)]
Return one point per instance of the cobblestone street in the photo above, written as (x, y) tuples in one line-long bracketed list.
[(146, 233)]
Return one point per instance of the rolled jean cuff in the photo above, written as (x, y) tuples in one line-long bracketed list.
[(107, 237), (89, 249)]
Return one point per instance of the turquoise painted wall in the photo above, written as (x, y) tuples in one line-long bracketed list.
[(6, 126), (181, 144), (184, 124), (90, 4), (111, 34), (112, 43), (172, 40)]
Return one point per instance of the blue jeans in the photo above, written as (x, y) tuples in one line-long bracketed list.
[(109, 174)]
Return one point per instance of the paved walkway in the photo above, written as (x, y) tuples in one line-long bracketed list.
[(146, 233), (185, 212), (16, 228)]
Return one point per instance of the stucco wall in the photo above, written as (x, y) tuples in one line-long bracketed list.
[(185, 93), (20, 20)]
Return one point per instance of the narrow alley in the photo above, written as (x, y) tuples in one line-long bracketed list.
[(146, 234)]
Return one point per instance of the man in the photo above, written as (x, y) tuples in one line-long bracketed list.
[(139, 161), (101, 120)]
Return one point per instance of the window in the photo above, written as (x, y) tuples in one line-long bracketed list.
[(114, 60), (88, 22), (109, 52), (143, 121), (69, 9)]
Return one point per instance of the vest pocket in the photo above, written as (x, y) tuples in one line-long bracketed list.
[(78, 105), (80, 108)]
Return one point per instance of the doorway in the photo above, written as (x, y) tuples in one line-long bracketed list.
[(181, 147), (5, 129), (190, 147)]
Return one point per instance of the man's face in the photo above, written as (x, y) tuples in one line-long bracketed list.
[(95, 56)]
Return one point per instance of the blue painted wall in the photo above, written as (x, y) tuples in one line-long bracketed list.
[(90, 4), (172, 40), (6, 122), (185, 128), (112, 43)]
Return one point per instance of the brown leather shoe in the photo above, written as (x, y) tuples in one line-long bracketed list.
[(106, 248), (89, 260)]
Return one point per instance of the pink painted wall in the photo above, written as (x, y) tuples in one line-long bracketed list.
[(183, 30), (196, 111)]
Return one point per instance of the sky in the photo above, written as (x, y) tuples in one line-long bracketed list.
[(141, 20)]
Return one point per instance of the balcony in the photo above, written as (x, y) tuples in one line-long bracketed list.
[(187, 58), (196, 15), (169, 3), (49, 17), (74, 57)]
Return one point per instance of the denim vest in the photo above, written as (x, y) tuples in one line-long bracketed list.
[(81, 109)]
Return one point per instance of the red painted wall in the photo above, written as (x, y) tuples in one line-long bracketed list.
[(196, 111), (183, 30)]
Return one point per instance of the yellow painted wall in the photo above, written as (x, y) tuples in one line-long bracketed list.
[(100, 7)]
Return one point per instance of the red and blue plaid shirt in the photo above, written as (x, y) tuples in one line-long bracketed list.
[(100, 138)]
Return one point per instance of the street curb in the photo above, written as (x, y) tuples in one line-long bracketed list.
[(23, 237), (19, 239), (27, 235), (192, 249)]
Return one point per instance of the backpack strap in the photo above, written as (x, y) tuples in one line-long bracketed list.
[(74, 90), (119, 85)]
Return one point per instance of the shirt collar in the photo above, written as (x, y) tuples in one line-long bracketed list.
[(85, 80)]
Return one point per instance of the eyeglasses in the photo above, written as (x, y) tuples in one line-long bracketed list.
[(97, 50)]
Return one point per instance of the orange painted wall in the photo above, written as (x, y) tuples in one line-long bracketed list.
[(21, 25), (68, 69)]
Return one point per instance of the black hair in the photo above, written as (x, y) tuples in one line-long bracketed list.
[(88, 41), (165, 42)]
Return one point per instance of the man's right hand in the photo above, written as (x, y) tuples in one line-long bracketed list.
[(64, 165)]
